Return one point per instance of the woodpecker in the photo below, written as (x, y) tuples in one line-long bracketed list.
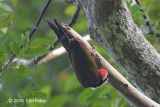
[(82, 61)]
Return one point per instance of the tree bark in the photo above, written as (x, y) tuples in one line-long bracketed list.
[(111, 25)]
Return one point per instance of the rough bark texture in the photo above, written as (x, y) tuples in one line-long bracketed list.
[(111, 25)]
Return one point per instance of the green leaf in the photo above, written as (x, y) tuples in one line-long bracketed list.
[(2, 11), (80, 25), (37, 94), (36, 51), (101, 102), (4, 38), (13, 66), (69, 87), (22, 69), (57, 101), (3, 55), (135, 8), (124, 103), (5, 19), (69, 10), (14, 46), (41, 41), (24, 40), (5, 7), (129, 2), (86, 94), (47, 89)]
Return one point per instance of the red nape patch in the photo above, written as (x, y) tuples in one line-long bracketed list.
[(103, 73)]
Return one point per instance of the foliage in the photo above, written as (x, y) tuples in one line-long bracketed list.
[(55, 81)]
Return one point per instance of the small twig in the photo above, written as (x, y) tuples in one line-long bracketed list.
[(74, 16), (145, 16), (40, 18)]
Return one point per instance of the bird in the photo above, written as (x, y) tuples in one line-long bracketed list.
[(82, 61)]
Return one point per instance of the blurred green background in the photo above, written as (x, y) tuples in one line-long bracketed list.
[(55, 81)]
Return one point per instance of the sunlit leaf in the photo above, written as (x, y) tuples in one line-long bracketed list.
[(5, 7), (4, 29), (47, 89), (2, 11), (69, 10)]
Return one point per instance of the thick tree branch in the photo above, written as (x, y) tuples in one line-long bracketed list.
[(111, 25)]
